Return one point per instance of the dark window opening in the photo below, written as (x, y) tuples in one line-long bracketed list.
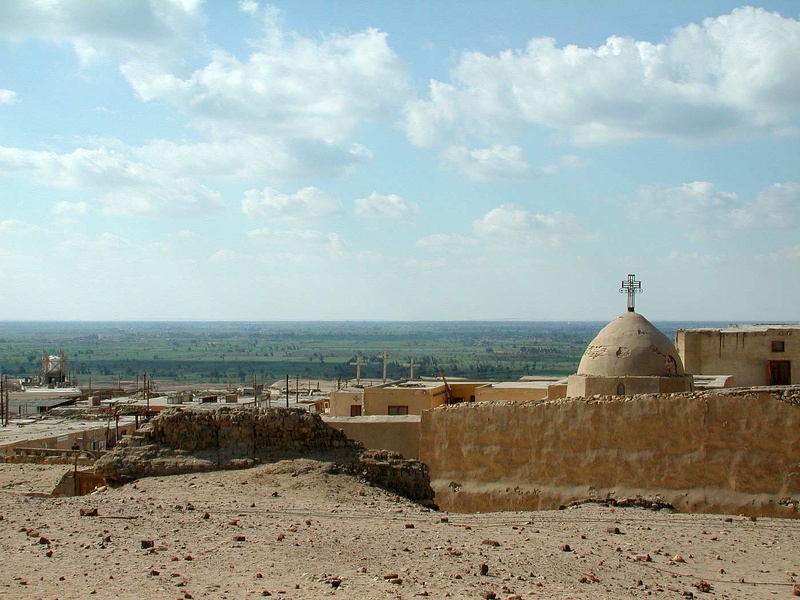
[(621, 389), (780, 372), (398, 410), (778, 346)]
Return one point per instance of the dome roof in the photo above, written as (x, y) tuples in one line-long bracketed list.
[(630, 345)]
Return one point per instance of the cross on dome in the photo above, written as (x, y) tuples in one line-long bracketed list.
[(632, 287)]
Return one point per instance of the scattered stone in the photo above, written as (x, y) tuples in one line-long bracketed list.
[(239, 538), (147, 544), (390, 576), (494, 543), (489, 595), (703, 586), (566, 548), (409, 526), (678, 559), (43, 540), (614, 530), (484, 569), (88, 512)]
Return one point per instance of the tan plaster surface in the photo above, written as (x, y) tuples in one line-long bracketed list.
[(705, 452)]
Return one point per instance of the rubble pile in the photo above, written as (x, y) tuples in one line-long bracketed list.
[(192, 440)]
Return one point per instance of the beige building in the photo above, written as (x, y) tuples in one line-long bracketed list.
[(516, 391), (755, 355), (404, 397), (347, 402), (629, 356), (401, 397)]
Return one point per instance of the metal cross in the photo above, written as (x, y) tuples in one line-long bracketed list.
[(632, 287)]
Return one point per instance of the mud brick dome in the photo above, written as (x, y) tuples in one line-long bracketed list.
[(631, 346)]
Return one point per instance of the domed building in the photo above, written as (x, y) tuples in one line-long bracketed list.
[(629, 356)]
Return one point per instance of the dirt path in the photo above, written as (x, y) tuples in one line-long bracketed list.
[(292, 530)]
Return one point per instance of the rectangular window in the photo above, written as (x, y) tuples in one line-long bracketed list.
[(778, 346), (398, 410)]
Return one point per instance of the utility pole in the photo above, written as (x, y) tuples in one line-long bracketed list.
[(297, 388), (2, 401), (287, 390), (385, 359), (147, 397)]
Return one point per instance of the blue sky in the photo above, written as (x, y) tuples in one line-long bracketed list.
[(221, 160)]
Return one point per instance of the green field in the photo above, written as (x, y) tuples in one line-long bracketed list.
[(235, 352)]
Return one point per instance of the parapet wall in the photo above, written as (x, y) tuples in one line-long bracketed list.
[(722, 452)]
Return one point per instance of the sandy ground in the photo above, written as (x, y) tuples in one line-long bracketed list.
[(293, 530)]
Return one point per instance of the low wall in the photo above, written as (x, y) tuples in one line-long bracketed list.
[(398, 434), (722, 452)]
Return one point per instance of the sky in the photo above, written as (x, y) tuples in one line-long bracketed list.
[(415, 160)]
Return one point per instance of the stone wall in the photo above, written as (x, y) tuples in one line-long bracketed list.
[(184, 440), (716, 451)]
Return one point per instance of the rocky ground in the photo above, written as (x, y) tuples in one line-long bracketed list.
[(295, 530)]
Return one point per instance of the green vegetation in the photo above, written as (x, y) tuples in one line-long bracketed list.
[(237, 351)]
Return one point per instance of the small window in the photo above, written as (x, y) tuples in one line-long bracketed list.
[(778, 346), (398, 410), (621, 389)]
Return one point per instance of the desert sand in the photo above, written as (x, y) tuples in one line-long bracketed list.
[(297, 529)]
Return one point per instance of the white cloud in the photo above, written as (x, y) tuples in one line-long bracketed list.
[(308, 202), (301, 241), (391, 206), (703, 208), (248, 6), (17, 227), (790, 253), (693, 258), (122, 30), (493, 163), (65, 208), (733, 75), (126, 184), (511, 226), (565, 163), (253, 157), (8, 97), (105, 243), (188, 235), (446, 243), (291, 86)]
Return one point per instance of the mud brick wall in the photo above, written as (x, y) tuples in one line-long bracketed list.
[(720, 451)]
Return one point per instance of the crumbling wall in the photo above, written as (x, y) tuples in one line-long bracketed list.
[(187, 440), (726, 452)]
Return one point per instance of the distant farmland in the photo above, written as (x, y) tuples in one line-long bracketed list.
[(235, 352)]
